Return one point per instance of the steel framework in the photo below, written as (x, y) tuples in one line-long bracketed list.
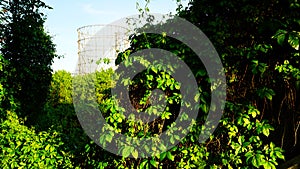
[(98, 44)]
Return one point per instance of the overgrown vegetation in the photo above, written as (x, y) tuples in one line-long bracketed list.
[(259, 45), (29, 51), (258, 42)]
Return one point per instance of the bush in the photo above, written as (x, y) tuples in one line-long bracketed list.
[(22, 147)]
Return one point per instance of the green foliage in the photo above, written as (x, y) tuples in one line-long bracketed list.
[(245, 145), (6, 99), (248, 48), (61, 88), (2, 80), (288, 71), (260, 54), (103, 84), (59, 115), (30, 52), (22, 147)]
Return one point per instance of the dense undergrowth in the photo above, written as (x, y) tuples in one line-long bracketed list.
[(59, 141), (259, 126)]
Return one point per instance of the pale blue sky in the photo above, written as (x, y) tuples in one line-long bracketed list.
[(68, 15)]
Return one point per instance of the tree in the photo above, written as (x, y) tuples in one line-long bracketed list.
[(29, 51), (61, 88), (259, 44)]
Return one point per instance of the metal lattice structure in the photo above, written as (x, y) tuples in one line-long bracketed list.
[(98, 44)]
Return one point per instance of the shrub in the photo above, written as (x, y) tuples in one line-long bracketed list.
[(22, 147)]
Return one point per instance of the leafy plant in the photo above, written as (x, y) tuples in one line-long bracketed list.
[(30, 52), (23, 147)]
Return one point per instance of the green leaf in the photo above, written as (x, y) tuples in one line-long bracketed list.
[(135, 154), (162, 156), (254, 162), (269, 96), (47, 147), (126, 151), (177, 86), (280, 36), (119, 120), (201, 73), (253, 113), (246, 122), (280, 39), (266, 131), (109, 137), (279, 155), (154, 163), (172, 140), (294, 40), (143, 164), (248, 155), (170, 156), (185, 152)]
